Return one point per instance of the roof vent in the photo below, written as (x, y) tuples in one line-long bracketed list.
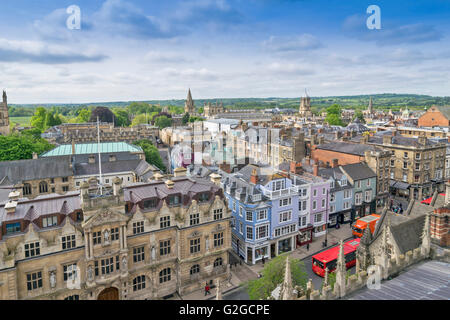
[(169, 184), (11, 206)]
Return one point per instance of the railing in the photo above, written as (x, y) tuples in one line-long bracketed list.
[(280, 193)]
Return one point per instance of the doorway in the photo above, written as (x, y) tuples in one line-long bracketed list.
[(109, 294)]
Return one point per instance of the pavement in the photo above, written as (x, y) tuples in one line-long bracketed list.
[(242, 273)]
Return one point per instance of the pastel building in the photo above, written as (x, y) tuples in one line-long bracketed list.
[(264, 206), (341, 196)]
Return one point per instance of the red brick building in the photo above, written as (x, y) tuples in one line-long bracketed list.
[(439, 226), (435, 116)]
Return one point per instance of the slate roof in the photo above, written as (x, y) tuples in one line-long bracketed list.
[(82, 169), (43, 205), (265, 173), (408, 234), (158, 189), (445, 110), (358, 171), (346, 147), (35, 169)]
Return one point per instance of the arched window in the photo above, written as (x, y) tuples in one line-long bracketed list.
[(195, 269), (43, 187), (139, 283), (164, 275), (26, 189), (218, 262)]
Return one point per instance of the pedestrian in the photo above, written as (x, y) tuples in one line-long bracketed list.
[(263, 260), (207, 288), (307, 246)]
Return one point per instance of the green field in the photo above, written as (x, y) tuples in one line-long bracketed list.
[(22, 121)]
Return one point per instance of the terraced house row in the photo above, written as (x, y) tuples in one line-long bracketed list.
[(144, 241), (275, 211)]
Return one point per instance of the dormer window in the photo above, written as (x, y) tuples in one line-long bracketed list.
[(343, 182), (12, 228), (174, 200), (49, 221), (203, 197), (148, 204)]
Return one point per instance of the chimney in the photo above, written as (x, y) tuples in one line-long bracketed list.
[(321, 140), (179, 172), (117, 182), (422, 140), (73, 147), (335, 163), (308, 161), (35, 156), (316, 169), (387, 139), (337, 135), (254, 177), (394, 132), (295, 167)]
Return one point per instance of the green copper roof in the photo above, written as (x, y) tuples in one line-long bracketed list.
[(88, 148)]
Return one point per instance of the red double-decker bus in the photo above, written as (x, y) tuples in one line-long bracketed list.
[(328, 258)]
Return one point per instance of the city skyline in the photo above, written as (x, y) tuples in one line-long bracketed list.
[(146, 50)]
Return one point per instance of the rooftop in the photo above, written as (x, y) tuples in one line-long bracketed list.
[(90, 148), (426, 281)]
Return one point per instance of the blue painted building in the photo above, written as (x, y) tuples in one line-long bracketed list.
[(264, 206)]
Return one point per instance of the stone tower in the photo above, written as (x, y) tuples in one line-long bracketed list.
[(4, 116), (305, 107), (370, 107), (189, 106)]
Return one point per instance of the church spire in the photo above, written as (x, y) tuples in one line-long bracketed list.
[(189, 106), (5, 98), (287, 287)]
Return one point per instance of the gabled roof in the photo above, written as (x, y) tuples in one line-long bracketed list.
[(358, 171)]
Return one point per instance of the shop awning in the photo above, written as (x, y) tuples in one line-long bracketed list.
[(399, 185)]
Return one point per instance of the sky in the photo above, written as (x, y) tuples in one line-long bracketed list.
[(134, 50)]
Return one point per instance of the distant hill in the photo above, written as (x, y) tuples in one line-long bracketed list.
[(384, 101)]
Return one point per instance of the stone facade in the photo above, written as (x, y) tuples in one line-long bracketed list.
[(121, 245), (87, 132)]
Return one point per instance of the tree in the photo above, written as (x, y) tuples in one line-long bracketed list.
[(333, 119), (38, 120), (334, 109), (139, 119), (83, 116), (201, 110), (185, 118), (273, 275), (360, 116), (163, 122), (194, 119), (21, 146), (152, 155), (122, 118)]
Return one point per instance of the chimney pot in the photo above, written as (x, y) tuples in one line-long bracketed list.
[(316, 169)]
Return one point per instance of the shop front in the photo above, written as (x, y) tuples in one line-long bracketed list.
[(304, 236)]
